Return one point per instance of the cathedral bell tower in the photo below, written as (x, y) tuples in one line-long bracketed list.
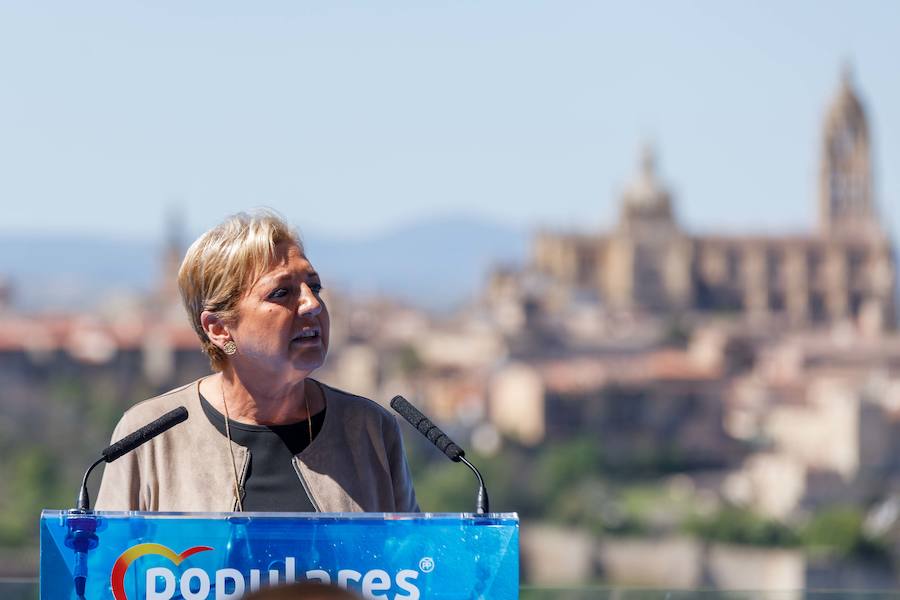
[(846, 205)]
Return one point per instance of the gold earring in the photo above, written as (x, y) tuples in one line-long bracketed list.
[(229, 348)]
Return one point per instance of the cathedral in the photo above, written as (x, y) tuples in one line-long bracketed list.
[(842, 270)]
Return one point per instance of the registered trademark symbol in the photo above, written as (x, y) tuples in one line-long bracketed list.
[(426, 565)]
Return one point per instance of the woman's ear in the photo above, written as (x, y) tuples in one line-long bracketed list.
[(214, 328)]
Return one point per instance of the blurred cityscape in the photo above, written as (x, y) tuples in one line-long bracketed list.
[(663, 409)]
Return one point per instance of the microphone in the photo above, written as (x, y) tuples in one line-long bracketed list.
[(127, 444), (443, 443), (82, 524), (427, 428)]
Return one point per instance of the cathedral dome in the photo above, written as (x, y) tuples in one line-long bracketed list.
[(645, 198), (645, 190)]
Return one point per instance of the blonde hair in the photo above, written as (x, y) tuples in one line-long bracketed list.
[(224, 263)]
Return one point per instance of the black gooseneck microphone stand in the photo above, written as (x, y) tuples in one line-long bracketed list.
[(444, 444)]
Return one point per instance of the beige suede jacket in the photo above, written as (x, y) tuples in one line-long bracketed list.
[(356, 462)]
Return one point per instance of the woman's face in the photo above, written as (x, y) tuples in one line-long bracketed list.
[(282, 323)]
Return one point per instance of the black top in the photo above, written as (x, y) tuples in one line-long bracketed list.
[(272, 483)]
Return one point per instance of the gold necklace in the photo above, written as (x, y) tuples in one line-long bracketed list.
[(237, 485), (308, 416)]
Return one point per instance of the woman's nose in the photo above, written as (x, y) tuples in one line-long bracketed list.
[(310, 304)]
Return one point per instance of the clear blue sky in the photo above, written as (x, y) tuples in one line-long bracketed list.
[(354, 117)]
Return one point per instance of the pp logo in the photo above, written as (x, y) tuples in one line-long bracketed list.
[(117, 579), (426, 565)]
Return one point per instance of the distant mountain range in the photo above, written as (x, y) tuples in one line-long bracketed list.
[(436, 264)]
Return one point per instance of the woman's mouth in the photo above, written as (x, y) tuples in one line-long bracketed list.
[(307, 336)]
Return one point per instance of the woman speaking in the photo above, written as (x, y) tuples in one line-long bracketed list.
[(261, 435)]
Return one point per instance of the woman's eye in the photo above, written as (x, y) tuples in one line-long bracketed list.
[(315, 287), (279, 293)]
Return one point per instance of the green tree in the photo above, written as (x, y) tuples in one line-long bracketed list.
[(839, 529), (737, 525), (561, 467), (35, 477)]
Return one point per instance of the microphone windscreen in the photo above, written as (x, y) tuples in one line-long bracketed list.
[(145, 434), (407, 411), (427, 428)]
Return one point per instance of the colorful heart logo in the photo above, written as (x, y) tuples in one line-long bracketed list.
[(135, 552)]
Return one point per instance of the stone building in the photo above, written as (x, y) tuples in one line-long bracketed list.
[(649, 264)]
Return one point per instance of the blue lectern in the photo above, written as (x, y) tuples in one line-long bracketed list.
[(219, 556)]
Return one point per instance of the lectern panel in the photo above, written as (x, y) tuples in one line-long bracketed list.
[(163, 556)]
